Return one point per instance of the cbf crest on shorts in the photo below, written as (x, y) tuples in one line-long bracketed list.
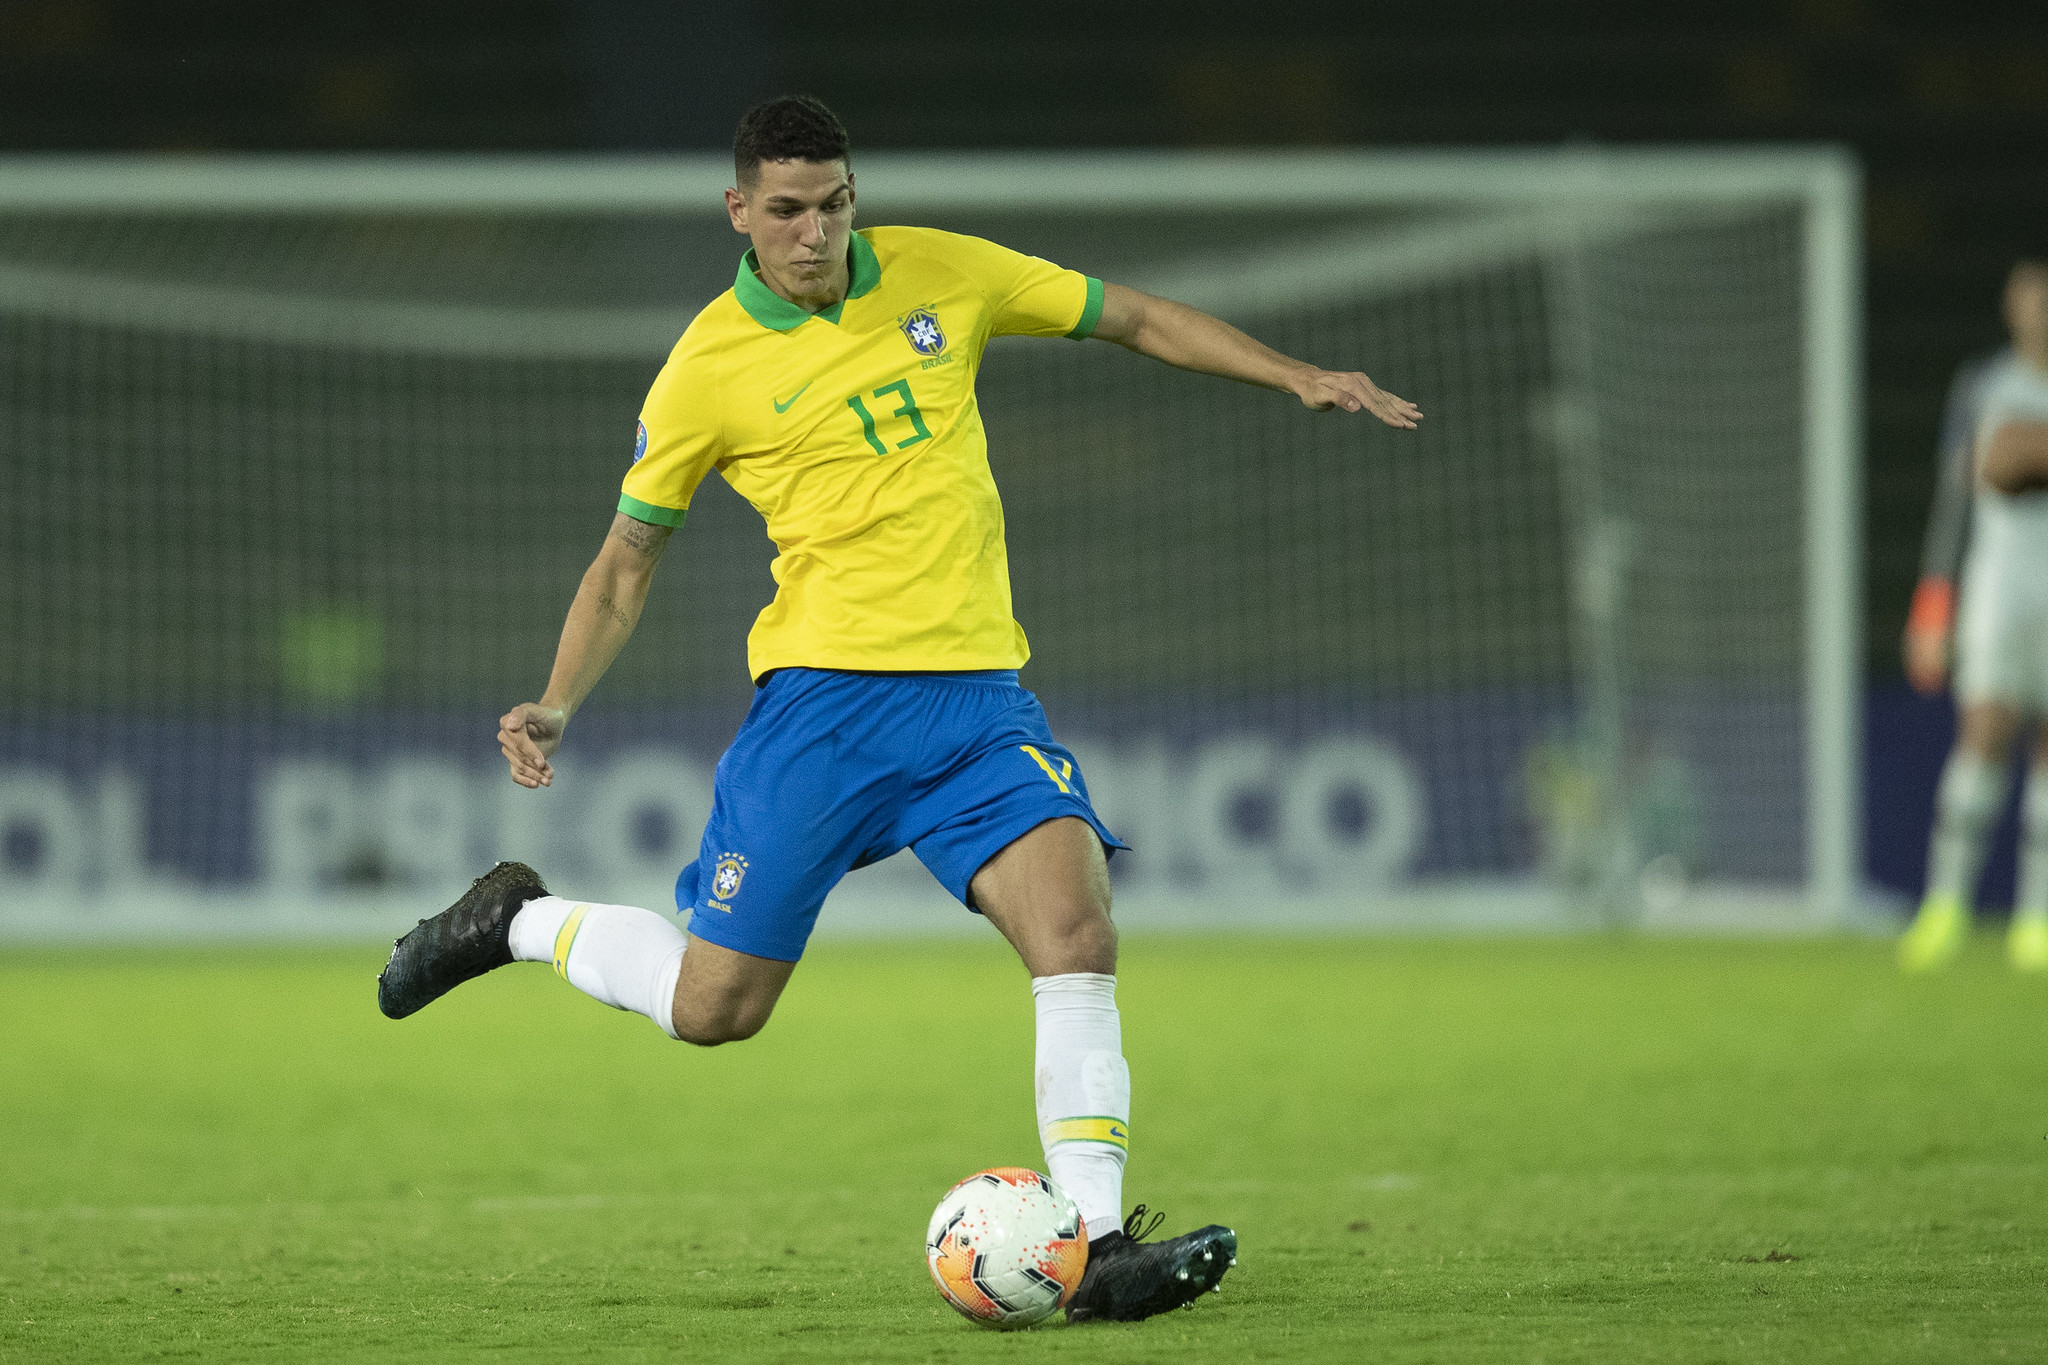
[(922, 329), (726, 875)]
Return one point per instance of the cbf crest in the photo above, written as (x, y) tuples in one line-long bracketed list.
[(727, 874), (921, 328)]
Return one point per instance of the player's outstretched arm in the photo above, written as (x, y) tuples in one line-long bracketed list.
[(2016, 460), (601, 620), (1931, 622), (1192, 340)]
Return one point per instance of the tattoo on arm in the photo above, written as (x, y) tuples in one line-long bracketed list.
[(648, 540), (612, 609)]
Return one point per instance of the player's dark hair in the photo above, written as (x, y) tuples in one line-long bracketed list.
[(793, 128)]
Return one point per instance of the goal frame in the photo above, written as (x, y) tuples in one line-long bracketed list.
[(1823, 183)]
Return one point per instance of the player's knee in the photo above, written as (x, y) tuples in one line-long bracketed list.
[(1096, 949), (717, 1028), (697, 1035), (1077, 936), (1090, 925), (1990, 744), (1988, 730), (720, 1024)]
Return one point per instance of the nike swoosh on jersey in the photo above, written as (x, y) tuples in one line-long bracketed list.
[(781, 406)]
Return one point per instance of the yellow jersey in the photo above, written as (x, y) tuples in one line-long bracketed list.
[(855, 434)]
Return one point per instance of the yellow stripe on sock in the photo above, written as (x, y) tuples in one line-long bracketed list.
[(566, 939), (1094, 1128), (1050, 771)]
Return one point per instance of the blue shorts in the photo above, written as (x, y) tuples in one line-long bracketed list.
[(832, 771)]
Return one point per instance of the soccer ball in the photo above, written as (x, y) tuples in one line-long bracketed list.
[(1006, 1248)]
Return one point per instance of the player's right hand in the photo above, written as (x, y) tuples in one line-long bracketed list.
[(527, 734), (1927, 659)]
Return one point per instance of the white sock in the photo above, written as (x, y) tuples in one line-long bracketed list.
[(2033, 895), (1084, 1093), (625, 956), (1971, 795)]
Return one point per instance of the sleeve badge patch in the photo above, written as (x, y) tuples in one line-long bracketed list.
[(921, 328), (639, 441), (726, 876)]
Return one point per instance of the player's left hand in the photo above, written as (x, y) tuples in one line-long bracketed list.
[(527, 735), (1927, 659), (1321, 390)]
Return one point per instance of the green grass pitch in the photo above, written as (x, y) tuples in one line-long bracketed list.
[(1488, 1150)]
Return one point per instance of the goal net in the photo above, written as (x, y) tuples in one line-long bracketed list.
[(305, 458)]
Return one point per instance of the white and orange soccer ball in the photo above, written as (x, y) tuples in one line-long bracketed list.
[(1006, 1247)]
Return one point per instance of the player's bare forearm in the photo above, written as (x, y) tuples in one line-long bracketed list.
[(1189, 339), (2016, 460), (600, 621)]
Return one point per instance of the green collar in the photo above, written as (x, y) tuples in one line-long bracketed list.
[(778, 314)]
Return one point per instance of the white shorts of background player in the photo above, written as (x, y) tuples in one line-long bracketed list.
[(2002, 627)]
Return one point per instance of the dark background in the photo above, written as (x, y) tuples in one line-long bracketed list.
[(1947, 104)]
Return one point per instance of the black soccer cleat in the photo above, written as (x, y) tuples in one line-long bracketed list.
[(1128, 1278), (464, 941)]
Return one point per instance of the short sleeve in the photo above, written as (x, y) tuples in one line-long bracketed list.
[(676, 444), (1965, 403), (1031, 297)]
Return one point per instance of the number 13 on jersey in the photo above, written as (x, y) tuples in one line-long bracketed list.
[(908, 409)]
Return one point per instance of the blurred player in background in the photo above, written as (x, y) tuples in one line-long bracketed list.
[(833, 387), (1990, 523)]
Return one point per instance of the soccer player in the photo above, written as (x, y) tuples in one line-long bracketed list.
[(833, 387), (1994, 454)]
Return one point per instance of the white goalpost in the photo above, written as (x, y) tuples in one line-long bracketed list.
[(1585, 649)]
